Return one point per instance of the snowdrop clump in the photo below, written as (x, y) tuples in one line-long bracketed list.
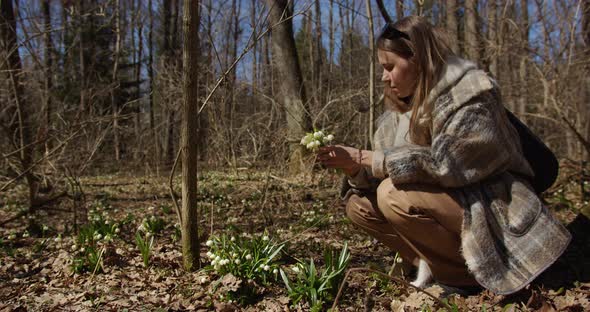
[(314, 140), (254, 260)]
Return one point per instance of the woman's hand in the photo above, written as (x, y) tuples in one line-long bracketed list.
[(341, 157)]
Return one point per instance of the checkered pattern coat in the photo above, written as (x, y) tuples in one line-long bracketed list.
[(508, 237)]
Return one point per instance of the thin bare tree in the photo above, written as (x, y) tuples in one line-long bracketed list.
[(189, 139)]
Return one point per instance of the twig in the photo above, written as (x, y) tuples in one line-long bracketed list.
[(97, 265), (38, 162), (386, 276)]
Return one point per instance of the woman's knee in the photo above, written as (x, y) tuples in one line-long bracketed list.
[(353, 209), (387, 194)]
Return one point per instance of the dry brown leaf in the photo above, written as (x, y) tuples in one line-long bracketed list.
[(229, 283), (398, 306)]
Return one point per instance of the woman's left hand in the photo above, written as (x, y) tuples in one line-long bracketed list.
[(340, 157)]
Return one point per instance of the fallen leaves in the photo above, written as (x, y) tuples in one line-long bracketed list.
[(41, 279)]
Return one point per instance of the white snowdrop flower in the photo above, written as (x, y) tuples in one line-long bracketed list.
[(108, 238), (275, 271), (97, 236), (330, 137), (74, 247), (265, 238), (82, 249), (45, 228), (209, 243), (213, 262), (318, 134), (310, 145), (237, 261), (234, 254), (248, 257), (317, 143), (203, 279), (266, 268), (141, 228), (117, 230), (26, 234), (399, 260), (57, 239), (209, 254), (303, 141), (148, 235), (217, 258), (11, 236), (295, 269), (233, 239)]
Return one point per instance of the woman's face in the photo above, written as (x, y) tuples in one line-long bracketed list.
[(398, 73)]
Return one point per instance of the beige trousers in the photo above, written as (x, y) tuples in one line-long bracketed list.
[(418, 221)]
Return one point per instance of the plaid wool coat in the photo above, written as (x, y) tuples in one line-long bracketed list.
[(508, 236)]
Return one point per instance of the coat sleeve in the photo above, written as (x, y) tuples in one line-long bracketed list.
[(471, 144)]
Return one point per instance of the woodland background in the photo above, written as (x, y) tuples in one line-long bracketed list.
[(95, 89)]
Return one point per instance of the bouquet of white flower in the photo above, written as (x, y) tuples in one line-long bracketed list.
[(313, 140)]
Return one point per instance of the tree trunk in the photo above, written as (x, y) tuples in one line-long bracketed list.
[(138, 132), (291, 81), (522, 72), (371, 76), (452, 25), (471, 42), (330, 47), (189, 139), (18, 115), (115, 82), (81, 55), (342, 38), (318, 53), (150, 71), (254, 47), (492, 46), (167, 58), (48, 68)]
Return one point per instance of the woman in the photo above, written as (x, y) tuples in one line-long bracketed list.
[(447, 185)]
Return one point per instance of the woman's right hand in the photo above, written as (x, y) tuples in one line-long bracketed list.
[(341, 157)]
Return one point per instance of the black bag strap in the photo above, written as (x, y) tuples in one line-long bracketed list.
[(542, 160)]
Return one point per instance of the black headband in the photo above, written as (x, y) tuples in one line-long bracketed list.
[(391, 33)]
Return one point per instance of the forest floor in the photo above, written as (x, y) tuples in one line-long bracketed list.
[(55, 259)]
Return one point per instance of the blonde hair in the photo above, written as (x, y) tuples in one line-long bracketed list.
[(428, 49)]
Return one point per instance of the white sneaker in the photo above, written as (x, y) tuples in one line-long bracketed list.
[(424, 275)]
